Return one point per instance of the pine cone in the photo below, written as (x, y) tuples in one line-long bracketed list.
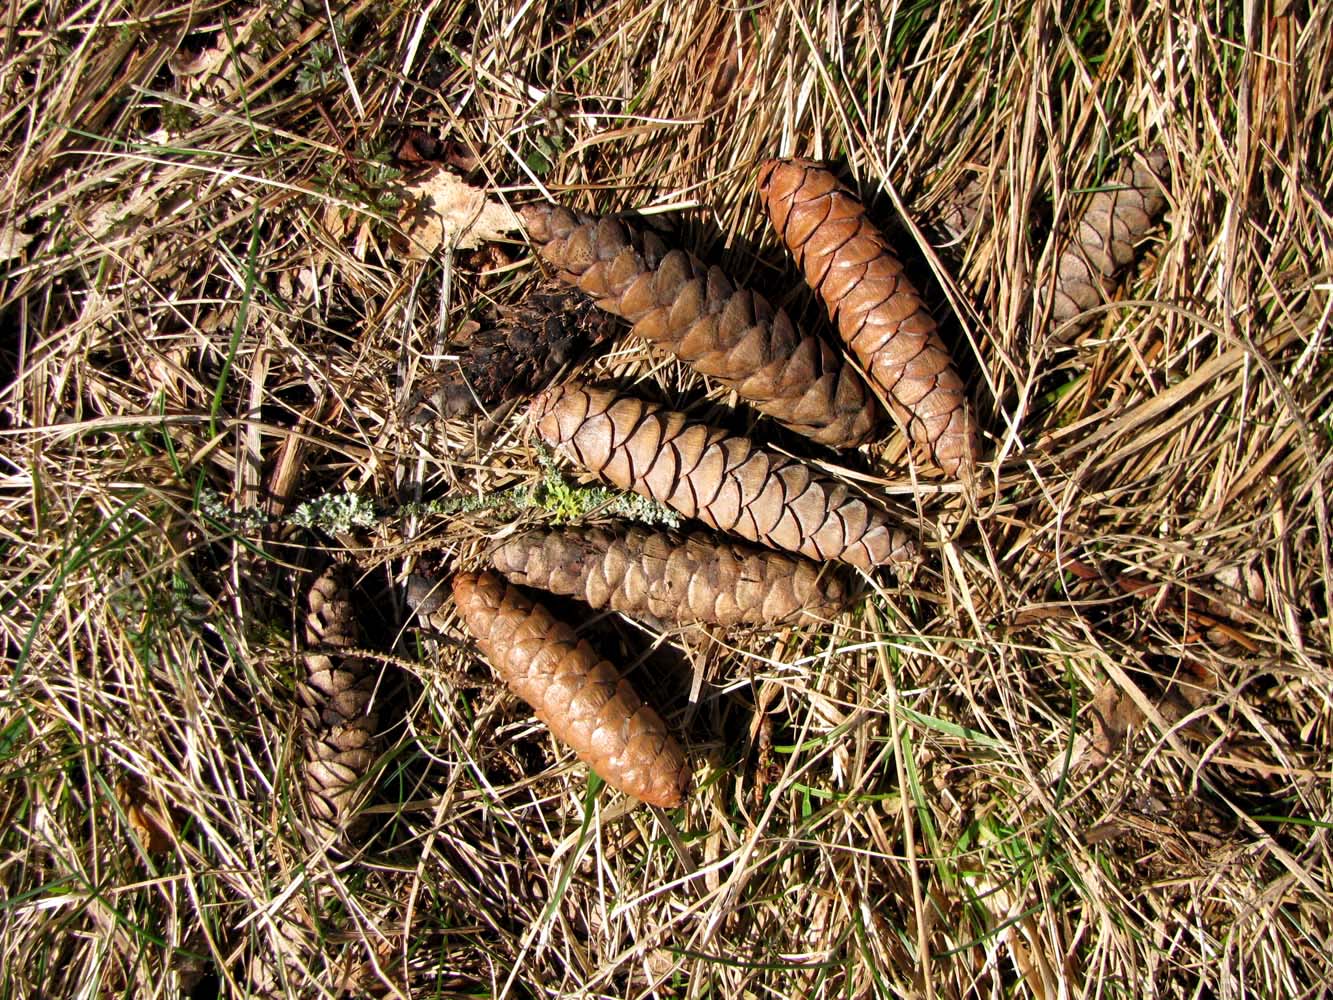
[(579, 695), (695, 313), (528, 345), (1103, 244), (673, 578), (877, 310), (724, 481), (336, 695)]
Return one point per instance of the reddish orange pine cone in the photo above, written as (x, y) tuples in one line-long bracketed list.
[(579, 695), (723, 480), (693, 311), (878, 312)]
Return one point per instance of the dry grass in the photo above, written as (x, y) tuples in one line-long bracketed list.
[(207, 321)]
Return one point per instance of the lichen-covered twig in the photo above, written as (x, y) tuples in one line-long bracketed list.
[(336, 697), (877, 310), (724, 481), (697, 314), (1104, 242), (579, 695), (673, 578)]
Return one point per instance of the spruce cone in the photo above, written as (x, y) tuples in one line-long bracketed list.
[(877, 310), (1103, 244), (528, 345), (336, 698), (675, 579), (694, 311), (580, 696), (724, 481)]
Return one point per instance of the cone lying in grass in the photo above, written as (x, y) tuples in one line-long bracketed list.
[(877, 310), (675, 579), (336, 696), (722, 480), (579, 695), (520, 354), (695, 313), (1103, 244)]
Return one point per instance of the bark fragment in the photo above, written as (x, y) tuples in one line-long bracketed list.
[(674, 578), (877, 310), (722, 480), (696, 313), (579, 695)]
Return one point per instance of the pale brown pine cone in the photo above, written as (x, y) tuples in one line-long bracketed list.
[(724, 481), (579, 695), (676, 579)]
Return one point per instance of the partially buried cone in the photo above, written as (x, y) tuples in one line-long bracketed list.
[(340, 723)]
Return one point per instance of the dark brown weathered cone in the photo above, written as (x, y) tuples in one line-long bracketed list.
[(1105, 240), (697, 314), (524, 349), (673, 578), (579, 695), (724, 481), (877, 310), (336, 697)]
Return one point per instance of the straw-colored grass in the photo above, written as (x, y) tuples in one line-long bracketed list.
[(1083, 751)]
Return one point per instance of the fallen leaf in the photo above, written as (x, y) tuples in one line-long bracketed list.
[(12, 242), (154, 831), (441, 210), (1115, 712), (218, 69)]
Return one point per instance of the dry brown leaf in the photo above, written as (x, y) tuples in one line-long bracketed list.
[(153, 830), (12, 242), (442, 210), (218, 69), (1115, 712)]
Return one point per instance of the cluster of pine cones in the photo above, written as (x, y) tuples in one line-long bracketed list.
[(804, 519)]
